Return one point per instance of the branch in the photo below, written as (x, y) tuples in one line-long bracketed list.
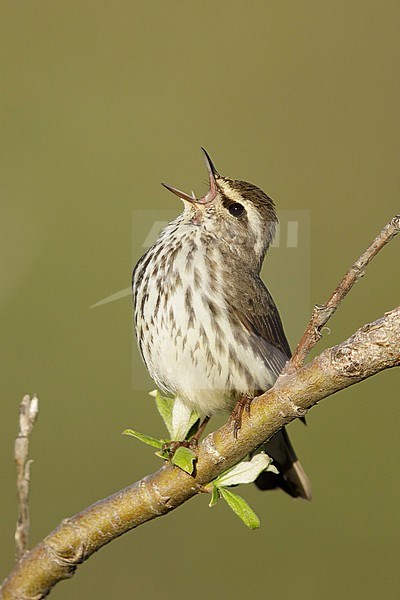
[(371, 349), (28, 412), (323, 312)]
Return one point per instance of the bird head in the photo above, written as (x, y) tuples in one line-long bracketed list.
[(237, 214)]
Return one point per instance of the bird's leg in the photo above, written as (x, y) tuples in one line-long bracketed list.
[(243, 403), (172, 447), (194, 440)]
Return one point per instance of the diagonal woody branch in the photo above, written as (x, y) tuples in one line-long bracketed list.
[(323, 312), (371, 349)]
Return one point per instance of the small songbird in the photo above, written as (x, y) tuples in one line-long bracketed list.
[(207, 327)]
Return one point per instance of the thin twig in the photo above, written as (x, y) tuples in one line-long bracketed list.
[(371, 349), (323, 312), (28, 413)]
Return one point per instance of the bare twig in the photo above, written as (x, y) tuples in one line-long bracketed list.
[(371, 349), (323, 312), (28, 413)]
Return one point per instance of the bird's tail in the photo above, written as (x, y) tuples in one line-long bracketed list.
[(291, 477)]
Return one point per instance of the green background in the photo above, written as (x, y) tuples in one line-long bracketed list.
[(101, 101)]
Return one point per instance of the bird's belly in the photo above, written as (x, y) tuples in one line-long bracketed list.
[(190, 343), (191, 351)]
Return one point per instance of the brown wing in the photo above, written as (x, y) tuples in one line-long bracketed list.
[(255, 309)]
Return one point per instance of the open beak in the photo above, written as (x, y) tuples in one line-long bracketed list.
[(212, 192)]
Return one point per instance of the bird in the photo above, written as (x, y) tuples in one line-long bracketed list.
[(207, 327)]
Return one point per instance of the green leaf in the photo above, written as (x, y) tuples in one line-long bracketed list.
[(193, 418), (164, 406), (146, 439), (246, 471), (184, 458), (193, 421), (214, 496), (181, 420), (178, 418), (241, 508)]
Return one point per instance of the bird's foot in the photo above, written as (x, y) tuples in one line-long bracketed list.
[(243, 404), (171, 447)]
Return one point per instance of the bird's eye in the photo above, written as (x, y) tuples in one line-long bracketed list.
[(236, 209)]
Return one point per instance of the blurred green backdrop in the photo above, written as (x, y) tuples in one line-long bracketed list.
[(101, 101)]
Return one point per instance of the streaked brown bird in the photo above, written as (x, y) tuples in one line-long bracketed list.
[(207, 327)]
